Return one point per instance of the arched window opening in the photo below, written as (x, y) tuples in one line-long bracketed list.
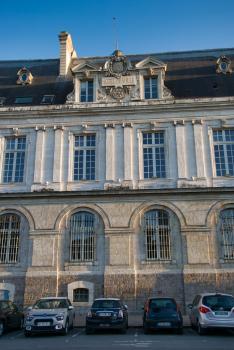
[(227, 225), (81, 295), (9, 238), (158, 245), (82, 237)]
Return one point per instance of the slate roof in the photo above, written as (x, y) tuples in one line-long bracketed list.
[(189, 74)]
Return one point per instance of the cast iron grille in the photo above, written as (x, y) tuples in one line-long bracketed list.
[(81, 295), (9, 238), (158, 245), (227, 224), (82, 237)]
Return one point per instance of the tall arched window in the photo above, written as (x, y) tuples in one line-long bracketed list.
[(157, 234), (9, 238), (82, 237), (227, 226)]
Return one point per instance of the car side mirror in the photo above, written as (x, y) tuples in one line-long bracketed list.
[(125, 307), (141, 308), (70, 307), (30, 308), (190, 306)]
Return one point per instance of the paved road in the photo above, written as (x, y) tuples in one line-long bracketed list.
[(134, 338)]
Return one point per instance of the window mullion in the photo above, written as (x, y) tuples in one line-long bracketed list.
[(150, 88), (226, 158)]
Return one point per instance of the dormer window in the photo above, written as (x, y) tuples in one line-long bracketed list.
[(23, 100), (25, 77), (223, 65), (151, 88), (2, 99), (86, 91), (48, 99)]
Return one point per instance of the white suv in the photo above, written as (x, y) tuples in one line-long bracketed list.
[(50, 315)]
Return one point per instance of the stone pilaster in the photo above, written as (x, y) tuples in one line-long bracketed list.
[(58, 147), (38, 169)]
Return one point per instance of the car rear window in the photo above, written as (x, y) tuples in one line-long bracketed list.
[(105, 304), (215, 302), (162, 304)]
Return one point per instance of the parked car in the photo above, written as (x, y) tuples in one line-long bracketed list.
[(10, 316), (107, 314), (212, 310), (50, 315), (161, 313)]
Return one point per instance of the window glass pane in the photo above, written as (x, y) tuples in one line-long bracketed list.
[(23, 100), (9, 238), (82, 237)]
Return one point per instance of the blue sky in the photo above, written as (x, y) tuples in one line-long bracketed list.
[(30, 28)]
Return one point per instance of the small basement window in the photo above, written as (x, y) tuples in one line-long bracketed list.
[(81, 295), (2, 99), (47, 99), (23, 100)]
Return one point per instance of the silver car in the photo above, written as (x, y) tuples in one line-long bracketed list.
[(212, 310), (50, 315)]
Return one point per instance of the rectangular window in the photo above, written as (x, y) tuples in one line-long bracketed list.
[(86, 91), (154, 155), (224, 152), (23, 100), (151, 88), (84, 157), (14, 160)]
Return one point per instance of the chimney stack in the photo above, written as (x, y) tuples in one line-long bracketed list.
[(66, 52)]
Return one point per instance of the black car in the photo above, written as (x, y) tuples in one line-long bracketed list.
[(162, 313), (10, 316), (107, 314)]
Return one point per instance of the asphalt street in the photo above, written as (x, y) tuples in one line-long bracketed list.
[(134, 338)]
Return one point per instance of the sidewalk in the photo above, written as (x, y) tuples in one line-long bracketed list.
[(133, 321)]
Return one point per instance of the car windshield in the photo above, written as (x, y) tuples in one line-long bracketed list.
[(218, 302), (103, 304), (50, 304), (162, 304)]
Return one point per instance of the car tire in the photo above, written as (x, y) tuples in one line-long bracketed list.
[(146, 329), (21, 324), (1, 328), (181, 331), (65, 330), (27, 334), (73, 321), (87, 330), (201, 331), (123, 329)]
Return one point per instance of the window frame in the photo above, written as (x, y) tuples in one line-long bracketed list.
[(23, 103), (223, 143), (225, 241), (87, 90), (82, 300), (151, 78), (84, 148), (8, 233)]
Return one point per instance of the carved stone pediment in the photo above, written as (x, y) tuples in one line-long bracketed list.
[(151, 63), (86, 66)]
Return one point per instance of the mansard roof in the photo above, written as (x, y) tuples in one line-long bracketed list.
[(190, 74)]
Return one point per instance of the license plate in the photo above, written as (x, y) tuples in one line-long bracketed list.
[(104, 325), (164, 324), (221, 313), (43, 323), (105, 314)]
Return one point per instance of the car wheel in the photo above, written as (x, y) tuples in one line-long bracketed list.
[(65, 330), (21, 323), (73, 321), (87, 330), (201, 331), (1, 328), (146, 329), (181, 330), (123, 329), (27, 334)]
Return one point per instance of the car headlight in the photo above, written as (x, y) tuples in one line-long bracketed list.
[(29, 318), (59, 317)]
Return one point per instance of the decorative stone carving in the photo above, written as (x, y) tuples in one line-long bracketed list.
[(41, 190), (167, 92), (129, 125), (117, 65), (153, 126), (223, 65), (25, 77), (151, 71), (84, 127), (135, 94), (86, 74), (197, 121), (58, 127), (224, 121), (109, 126), (38, 128), (15, 131), (71, 96), (118, 93), (176, 122), (101, 95)]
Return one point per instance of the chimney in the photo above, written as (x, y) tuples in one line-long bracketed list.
[(66, 52)]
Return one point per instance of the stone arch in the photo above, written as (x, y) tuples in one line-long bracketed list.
[(215, 208), (23, 211), (146, 206), (81, 284), (72, 207)]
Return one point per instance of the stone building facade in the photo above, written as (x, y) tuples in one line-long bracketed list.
[(117, 176)]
